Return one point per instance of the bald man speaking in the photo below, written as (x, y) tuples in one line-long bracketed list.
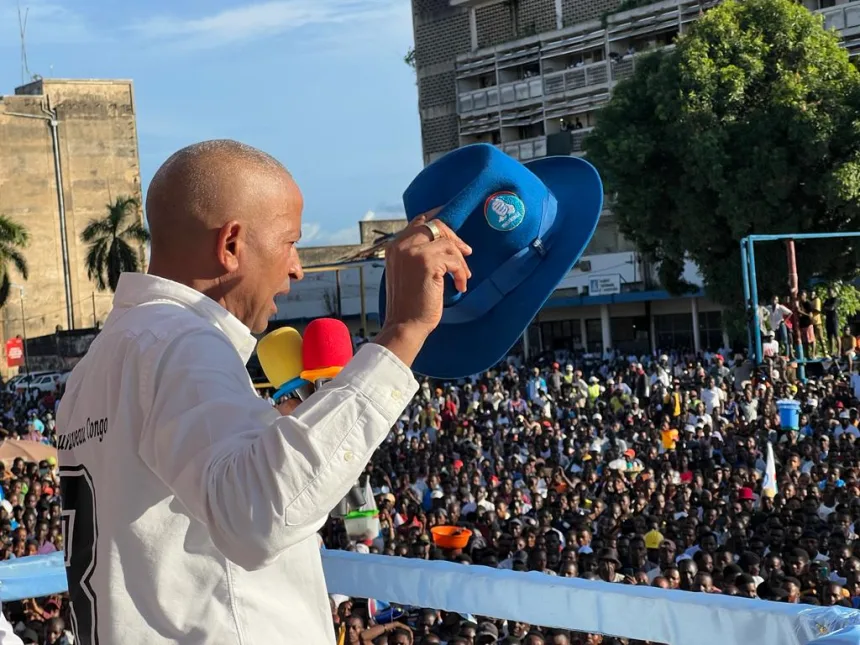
[(191, 506)]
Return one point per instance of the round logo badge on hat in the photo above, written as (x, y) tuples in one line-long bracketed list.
[(504, 211)]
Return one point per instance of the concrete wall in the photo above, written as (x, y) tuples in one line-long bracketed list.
[(575, 11), (441, 33), (99, 159)]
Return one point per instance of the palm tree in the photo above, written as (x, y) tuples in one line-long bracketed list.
[(113, 242), (13, 238)]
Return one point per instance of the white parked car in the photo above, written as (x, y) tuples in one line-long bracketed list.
[(44, 382)]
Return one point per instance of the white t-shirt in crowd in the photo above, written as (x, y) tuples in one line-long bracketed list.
[(191, 507)]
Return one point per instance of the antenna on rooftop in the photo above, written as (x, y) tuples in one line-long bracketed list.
[(22, 28)]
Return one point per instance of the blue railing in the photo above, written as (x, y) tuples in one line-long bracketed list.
[(638, 612)]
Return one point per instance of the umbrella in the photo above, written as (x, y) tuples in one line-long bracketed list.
[(26, 450)]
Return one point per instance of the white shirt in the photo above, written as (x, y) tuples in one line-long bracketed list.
[(778, 313), (7, 632), (711, 398), (770, 349), (203, 528)]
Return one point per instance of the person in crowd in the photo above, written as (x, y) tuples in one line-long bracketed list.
[(779, 317), (806, 323), (831, 320), (847, 347)]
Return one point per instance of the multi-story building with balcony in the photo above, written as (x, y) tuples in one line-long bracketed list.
[(530, 77)]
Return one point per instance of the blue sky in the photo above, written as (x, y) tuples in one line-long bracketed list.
[(320, 84)]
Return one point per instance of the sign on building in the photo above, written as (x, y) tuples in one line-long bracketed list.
[(15, 352), (604, 285)]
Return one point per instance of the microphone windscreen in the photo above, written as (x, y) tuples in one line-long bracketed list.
[(280, 354), (327, 345)]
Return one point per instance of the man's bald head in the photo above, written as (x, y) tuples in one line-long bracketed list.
[(215, 210), (196, 185)]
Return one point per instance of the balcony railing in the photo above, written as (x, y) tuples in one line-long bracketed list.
[(625, 25), (577, 140), (575, 79), (526, 149), (842, 17), (622, 69), (481, 124), (506, 94), (525, 90), (569, 81), (631, 611), (478, 100), (570, 142)]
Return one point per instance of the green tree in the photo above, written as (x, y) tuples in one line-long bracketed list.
[(749, 125), (13, 239), (409, 58), (114, 243)]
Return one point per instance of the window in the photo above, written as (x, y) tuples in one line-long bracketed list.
[(594, 335), (534, 343), (561, 334), (674, 331), (630, 334), (711, 330)]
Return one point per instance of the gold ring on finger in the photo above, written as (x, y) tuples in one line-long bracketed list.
[(433, 227)]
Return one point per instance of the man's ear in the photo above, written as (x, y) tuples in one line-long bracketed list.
[(229, 245)]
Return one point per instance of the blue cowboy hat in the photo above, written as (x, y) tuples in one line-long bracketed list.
[(527, 225)]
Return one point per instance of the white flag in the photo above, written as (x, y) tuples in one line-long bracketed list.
[(768, 486)]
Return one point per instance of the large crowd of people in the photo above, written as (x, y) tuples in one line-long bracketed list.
[(636, 470), (30, 511), (632, 470)]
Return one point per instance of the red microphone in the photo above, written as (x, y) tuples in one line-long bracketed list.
[(326, 349)]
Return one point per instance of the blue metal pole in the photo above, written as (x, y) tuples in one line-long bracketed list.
[(801, 361), (801, 236), (754, 302), (746, 278)]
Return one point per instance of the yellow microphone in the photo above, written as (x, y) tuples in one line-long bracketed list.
[(280, 354)]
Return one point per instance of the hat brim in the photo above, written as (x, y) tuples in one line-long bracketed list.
[(459, 350)]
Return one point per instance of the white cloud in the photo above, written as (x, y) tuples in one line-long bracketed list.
[(314, 234), (385, 211), (348, 235), (310, 232), (262, 20)]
